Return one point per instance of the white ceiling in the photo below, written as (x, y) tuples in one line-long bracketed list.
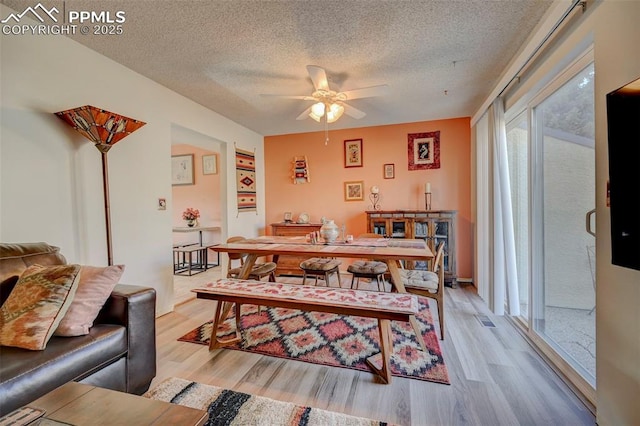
[(440, 59)]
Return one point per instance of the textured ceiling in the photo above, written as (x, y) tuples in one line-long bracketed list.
[(440, 59)]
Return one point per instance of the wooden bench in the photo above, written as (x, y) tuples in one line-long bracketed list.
[(383, 306)]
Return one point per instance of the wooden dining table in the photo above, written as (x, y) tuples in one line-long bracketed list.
[(391, 251)]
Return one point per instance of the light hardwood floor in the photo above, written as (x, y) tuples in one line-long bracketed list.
[(496, 377)]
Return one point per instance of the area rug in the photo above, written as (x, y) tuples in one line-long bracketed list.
[(227, 407), (331, 339)]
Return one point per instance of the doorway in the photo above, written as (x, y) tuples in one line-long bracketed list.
[(201, 190)]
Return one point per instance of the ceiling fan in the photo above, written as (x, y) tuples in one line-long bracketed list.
[(329, 104)]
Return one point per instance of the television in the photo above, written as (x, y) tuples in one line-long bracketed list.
[(623, 127)]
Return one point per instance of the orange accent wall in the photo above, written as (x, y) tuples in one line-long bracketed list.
[(324, 195), (203, 195)]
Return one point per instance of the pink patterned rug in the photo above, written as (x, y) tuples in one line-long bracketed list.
[(335, 340)]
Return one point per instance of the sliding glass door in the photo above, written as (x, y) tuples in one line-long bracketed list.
[(551, 151)]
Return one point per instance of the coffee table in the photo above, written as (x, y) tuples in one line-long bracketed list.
[(80, 404)]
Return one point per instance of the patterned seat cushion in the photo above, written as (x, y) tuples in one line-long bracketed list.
[(424, 280), (319, 264), (259, 270), (304, 293), (370, 267)]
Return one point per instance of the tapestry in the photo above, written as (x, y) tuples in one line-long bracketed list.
[(332, 339), (228, 407), (246, 180)]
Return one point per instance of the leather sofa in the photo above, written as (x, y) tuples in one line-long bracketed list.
[(119, 352)]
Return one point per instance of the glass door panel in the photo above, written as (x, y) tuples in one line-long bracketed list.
[(564, 128), (398, 229), (441, 235), (380, 227)]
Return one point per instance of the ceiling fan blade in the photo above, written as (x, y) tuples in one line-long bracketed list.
[(366, 92), (318, 77), (353, 112), (302, 97), (304, 114)]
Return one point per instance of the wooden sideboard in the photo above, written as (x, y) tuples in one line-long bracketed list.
[(433, 226), (290, 265)]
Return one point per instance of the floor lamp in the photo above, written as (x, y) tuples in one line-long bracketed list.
[(104, 129)]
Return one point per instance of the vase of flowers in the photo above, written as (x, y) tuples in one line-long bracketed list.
[(191, 216)]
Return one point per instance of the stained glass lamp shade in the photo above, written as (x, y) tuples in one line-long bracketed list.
[(104, 129)]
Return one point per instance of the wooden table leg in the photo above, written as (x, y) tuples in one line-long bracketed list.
[(386, 349), (399, 286), (247, 266), (222, 310), (245, 271)]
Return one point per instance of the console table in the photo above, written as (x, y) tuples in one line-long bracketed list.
[(290, 265), (433, 226)]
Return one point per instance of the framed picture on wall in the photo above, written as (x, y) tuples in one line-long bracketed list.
[(354, 191), (353, 153), (389, 171), (210, 164), (182, 169), (424, 150)]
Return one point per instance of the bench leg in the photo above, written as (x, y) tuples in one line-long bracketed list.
[(222, 311), (399, 286), (386, 348)]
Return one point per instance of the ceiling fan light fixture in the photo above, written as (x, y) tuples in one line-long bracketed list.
[(317, 111), (335, 112)]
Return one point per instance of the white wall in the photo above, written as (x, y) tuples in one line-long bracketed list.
[(617, 62), (50, 176)]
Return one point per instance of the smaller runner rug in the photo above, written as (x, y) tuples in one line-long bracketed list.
[(331, 339), (227, 407)]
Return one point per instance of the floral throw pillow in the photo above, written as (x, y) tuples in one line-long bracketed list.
[(36, 305), (95, 286)]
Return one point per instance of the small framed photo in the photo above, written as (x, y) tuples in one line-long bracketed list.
[(287, 217), (353, 153), (182, 169), (354, 191), (210, 164), (389, 171), (424, 150)]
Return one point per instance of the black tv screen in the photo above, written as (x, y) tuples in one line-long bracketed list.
[(623, 121)]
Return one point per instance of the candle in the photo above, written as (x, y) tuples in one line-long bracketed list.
[(375, 189), (427, 188)]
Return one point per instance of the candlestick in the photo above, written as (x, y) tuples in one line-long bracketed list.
[(375, 201), (427, 201)]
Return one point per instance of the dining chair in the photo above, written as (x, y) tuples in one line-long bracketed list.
[(428, 283), (371, 269)]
